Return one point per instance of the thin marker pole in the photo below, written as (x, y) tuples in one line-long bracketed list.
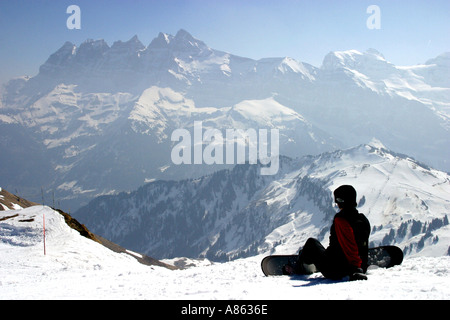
[(44, 235)]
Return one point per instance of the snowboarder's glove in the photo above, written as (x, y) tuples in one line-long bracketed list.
[(357, 274)]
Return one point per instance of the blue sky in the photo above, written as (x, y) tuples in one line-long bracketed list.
[(411, 31)]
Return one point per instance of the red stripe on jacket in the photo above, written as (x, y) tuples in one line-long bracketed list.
[(346, 238)]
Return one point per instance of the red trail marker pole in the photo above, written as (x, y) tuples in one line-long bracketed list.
[(44, 234)]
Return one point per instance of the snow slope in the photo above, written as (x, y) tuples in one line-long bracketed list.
[(77, 268)]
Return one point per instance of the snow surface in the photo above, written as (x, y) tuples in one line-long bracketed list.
[(77, 268)]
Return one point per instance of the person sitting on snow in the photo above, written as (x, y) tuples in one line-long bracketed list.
[(347, 253)]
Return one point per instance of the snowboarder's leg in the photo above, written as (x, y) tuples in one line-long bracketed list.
[(315, 253), (302, 266)]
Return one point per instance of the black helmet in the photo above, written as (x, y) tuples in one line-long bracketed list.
[(345, 196)]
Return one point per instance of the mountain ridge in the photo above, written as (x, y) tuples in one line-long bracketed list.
[(220, 218), (128, 97)]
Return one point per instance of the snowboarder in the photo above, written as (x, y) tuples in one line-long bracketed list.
[(347, 253)]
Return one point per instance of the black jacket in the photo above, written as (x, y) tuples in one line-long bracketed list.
[(349, 240)]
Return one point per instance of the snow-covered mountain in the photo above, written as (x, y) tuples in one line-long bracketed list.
[(98, 119), (239, 213)]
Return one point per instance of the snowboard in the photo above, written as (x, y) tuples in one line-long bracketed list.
[(383, 257)]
